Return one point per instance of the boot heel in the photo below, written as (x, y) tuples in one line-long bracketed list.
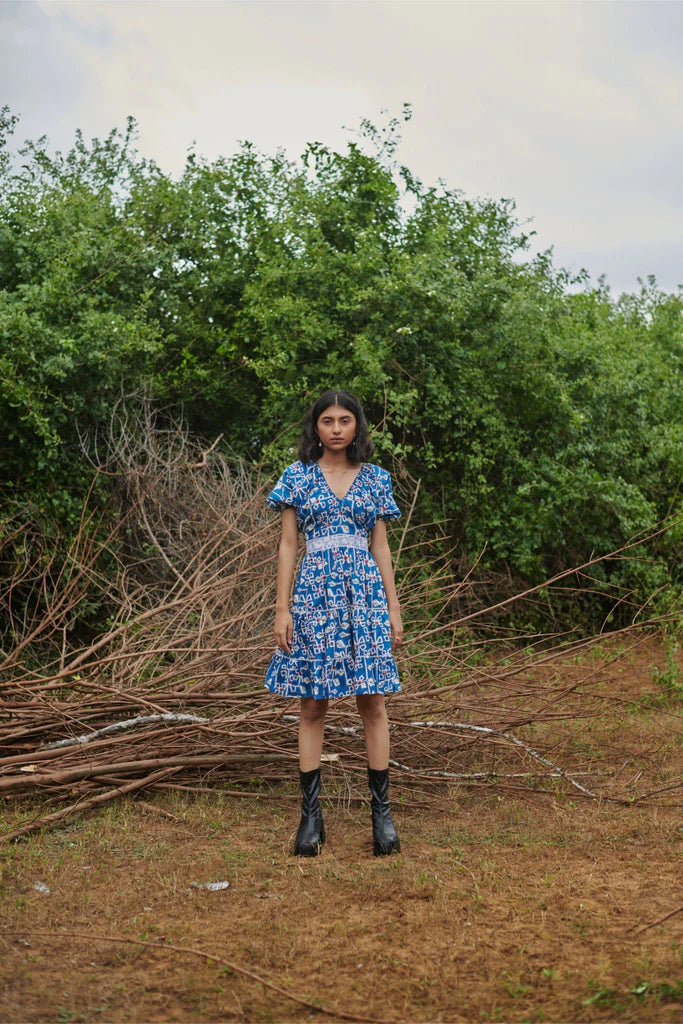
[(380, 849)]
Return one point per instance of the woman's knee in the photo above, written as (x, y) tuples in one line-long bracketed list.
[(371, 708), (313, 711)]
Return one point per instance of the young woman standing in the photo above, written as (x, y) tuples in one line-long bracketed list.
[(337, 639)]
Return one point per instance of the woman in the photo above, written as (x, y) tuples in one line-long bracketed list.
[(337, 639)]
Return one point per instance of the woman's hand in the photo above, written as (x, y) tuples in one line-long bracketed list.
[(396, 626), (284, 630)]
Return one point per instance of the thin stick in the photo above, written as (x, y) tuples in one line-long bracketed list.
[(156, 810), (660, 920), (405, 527), (237, 968)]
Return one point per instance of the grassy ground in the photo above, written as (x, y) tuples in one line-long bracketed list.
[(503, 906)]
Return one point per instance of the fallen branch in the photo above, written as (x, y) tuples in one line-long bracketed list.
[(155, 810), (231, 964), (130, 723), (84, 805), (660, 920), (482, 729), (38, 779)]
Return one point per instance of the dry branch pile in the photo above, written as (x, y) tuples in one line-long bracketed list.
[(170, 695)]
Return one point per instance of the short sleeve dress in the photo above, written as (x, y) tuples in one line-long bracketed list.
[(341, 643)]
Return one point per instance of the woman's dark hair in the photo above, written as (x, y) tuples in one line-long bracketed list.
[(361, 447)]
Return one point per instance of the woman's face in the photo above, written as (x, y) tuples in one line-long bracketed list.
[(336, 428)]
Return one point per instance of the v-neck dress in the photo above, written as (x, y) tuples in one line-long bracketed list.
[(342, 639)]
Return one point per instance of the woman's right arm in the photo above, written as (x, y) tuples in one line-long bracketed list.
[(289, 542)]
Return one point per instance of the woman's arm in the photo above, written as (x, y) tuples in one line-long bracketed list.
[(382, 555), (286, 561)]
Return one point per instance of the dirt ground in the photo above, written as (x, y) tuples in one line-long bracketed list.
[(502, 906)]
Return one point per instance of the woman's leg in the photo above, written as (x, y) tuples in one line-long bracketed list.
[(311, 832), (376, 728), (311, 730)]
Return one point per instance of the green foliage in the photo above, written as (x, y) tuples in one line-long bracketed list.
[(541, 412), (669, 678)]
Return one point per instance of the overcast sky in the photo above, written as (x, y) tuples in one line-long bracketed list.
[(575, 110)]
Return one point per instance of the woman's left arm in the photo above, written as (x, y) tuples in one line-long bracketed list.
[(379, 546)]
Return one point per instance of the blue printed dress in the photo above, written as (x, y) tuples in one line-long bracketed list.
[(342, 639)]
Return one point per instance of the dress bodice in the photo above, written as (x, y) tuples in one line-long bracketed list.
[(320, 512)]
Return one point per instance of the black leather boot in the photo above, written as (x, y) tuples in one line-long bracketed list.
[(384, 835), (311, 832)]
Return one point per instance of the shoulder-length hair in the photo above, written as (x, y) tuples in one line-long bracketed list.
[(310, 448)]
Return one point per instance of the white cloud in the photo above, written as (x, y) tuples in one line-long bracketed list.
[(574, 109)]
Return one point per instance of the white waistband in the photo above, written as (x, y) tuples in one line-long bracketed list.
[(337, 540)]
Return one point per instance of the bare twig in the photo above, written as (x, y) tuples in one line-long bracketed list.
[(222, 961), (660, 920)]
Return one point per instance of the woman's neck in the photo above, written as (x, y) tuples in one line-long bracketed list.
[(335, 461)]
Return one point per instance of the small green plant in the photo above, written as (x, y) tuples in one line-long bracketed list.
[(669, 678), (664, 992), (612, 998), (496, 1013), (640, 990), (233, 859), (537, 1016), (515, 987), (605, 998)]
